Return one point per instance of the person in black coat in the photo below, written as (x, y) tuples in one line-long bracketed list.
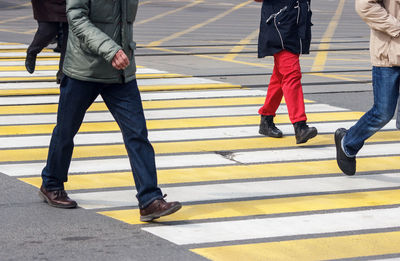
[(285, 33), (51, 17)]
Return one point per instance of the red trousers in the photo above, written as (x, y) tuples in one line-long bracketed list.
[(285, 81)]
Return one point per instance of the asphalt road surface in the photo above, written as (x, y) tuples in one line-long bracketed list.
[(245, 196)]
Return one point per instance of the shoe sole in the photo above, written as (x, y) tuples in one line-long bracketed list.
[(307, 138), (167, 212), (48, 201), (265, 134)]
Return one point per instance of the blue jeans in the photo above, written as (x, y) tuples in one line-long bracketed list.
[(386, 83), (124, 102)]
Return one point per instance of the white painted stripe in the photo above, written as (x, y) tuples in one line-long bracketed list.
[(28, 85), (141, 82), (52, 73), (23, 54), (168, 135), (13, 46), (240, 190), (163, 114), (27, 74), (310, 153), (119, 164), (207, 159), (277, 227), (146, 96), (32, 100), (176, 81)]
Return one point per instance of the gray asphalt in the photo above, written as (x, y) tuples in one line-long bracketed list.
[(31, 230)]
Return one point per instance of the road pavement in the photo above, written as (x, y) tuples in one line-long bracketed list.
[(245, 196)]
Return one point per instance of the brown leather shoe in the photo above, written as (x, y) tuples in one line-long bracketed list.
[(159, 208), (57, 198)]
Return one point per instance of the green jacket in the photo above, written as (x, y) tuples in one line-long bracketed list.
[(98, 30)]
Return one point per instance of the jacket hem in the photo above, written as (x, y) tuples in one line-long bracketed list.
[(91, 79)]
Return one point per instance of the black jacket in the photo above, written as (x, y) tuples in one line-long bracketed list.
[(285, 25), (49, 10)]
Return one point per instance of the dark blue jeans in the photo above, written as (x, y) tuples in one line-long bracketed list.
[(386, 83), (124, 102)]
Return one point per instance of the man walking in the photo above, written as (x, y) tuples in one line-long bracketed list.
[(100, 61), (383, 17)]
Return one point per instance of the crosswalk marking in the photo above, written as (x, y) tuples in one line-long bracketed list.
[(245, 196), (160, 113), (230, 173), (143, 88), (240, 190), (163, 124), (378, 245), (277, 226), (52, 108), (259, 143), (171, 135), (269, 206)]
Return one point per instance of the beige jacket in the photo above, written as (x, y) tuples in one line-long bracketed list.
[(383, 17)]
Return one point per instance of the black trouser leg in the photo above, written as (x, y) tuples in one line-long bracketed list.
[(45, 33)]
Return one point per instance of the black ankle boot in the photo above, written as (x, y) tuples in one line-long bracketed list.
[(268, 128), (303, 132), (30, 62)]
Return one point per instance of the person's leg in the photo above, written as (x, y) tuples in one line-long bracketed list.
[(125, 104), (271, 104), (386, 82), (289, 67), (274, 94), (44, 35), (75, 98)]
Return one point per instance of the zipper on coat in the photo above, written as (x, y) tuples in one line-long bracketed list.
[(298, 20), (298, 11), (280, 35), (273, 16)]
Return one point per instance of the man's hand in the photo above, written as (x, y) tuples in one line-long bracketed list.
[(120, 60)]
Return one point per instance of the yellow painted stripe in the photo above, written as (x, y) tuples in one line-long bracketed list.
[(241, 46), (148, 88), (321, 57), (180, 123), (23, 51), (8, 59), (14, 155), (269, 206), (22, 56), (143, 88), (138, 76), (198, 26), (220, 173), (330, 248), (11, 44), (164, 104), (22, 68), (25, 79)]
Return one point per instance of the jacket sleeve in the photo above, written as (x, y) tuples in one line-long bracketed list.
[(92, 37), (377, 17)]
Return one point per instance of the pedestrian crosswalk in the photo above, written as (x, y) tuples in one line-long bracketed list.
[(245, 196)]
